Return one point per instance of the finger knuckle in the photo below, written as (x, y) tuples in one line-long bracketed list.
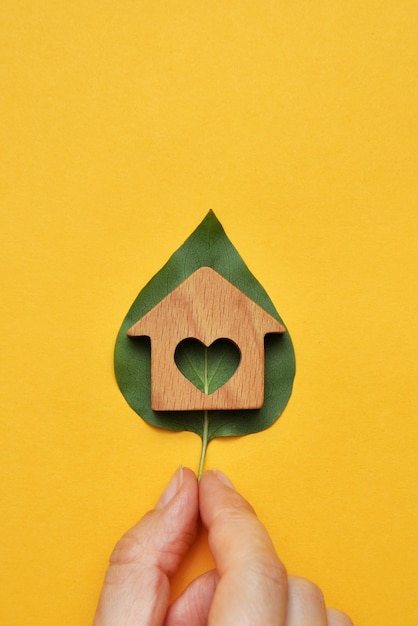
[(338, 618), (269, 568), (306, 589), (127, 550)]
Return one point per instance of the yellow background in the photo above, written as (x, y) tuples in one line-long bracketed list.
[(122, 124)]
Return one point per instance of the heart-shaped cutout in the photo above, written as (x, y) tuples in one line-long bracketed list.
[(207, 367)]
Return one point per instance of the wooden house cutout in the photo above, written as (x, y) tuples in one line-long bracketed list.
[(206, 307)]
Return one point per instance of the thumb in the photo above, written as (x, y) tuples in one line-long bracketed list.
[(136, 588), (253, 582)]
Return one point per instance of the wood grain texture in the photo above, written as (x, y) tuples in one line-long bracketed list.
[(206, 307)]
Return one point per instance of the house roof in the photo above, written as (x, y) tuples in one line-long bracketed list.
[(206, 306)]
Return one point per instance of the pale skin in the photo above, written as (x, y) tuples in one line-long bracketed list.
[(249, 587)]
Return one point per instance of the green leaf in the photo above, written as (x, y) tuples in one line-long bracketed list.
[(207, 367), (207, 246)]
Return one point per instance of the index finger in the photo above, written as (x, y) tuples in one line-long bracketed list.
[(136, 589), (253, 582)]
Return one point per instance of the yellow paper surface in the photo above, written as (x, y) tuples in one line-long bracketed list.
[(122, 124)]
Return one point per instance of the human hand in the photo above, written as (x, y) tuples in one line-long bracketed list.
[(249, 587)]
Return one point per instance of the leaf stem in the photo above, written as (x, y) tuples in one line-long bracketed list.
[(205, 421), (204, 444)]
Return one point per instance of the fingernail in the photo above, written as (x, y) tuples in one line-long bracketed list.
[(172, 488), (224, 479)]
